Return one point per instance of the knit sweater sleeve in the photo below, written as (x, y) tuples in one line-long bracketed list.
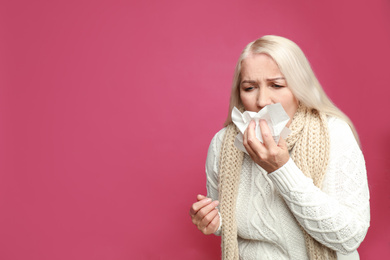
[(212, 169), (338, 215)]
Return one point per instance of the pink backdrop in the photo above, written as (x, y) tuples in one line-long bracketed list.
[(107, 109)]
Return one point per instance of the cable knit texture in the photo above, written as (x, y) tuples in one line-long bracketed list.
[(270, 206), (310, 151)]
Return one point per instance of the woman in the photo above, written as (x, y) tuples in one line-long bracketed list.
[(304, 198)]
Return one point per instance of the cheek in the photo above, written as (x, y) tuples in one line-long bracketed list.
[(245, 98), (290, 104), (248, 101)]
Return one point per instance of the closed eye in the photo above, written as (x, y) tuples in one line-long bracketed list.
[(247, 89), (277, 86), (248, 86)]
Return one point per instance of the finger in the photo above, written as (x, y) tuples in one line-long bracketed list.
[(198, 217), (282, 143), (199, 205), (203, 215), (200, 197), (213, 225), (254, 145), (247, 147), (268, 140), (208, 219), (245, 139)]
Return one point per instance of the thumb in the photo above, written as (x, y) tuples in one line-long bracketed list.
[(200, 197), (282, 143)]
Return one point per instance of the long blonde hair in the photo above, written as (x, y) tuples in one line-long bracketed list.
[(297, 71)]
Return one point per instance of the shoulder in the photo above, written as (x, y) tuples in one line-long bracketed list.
[(218, 137), (216, 142), (340, 133), (335, 123), (213, 153)]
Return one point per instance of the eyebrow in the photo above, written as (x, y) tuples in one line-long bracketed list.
[(271, 79), (248, 81)]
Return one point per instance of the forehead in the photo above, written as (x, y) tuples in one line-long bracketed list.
[(259, 65)]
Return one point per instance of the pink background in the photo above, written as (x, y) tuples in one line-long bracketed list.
[(107, 109)]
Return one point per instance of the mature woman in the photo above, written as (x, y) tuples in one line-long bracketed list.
[(305, 197)]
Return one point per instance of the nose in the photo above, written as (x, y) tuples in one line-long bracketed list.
[(263, 97)]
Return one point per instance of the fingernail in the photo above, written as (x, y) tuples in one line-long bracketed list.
[(208, 200)]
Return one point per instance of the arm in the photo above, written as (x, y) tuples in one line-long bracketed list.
[(204, 213), (212, 165), (338, 215), (212, 170)]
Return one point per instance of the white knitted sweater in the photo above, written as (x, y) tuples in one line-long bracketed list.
[(269, 205)]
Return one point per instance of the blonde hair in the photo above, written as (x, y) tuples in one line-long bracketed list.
[(297, 71)]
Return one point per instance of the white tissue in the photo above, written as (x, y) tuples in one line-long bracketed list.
[(274, 115)]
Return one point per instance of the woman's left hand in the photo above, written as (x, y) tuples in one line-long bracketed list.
[(269, 155)]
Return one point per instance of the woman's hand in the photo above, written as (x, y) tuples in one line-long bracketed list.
[(204, 215), (269, 155)]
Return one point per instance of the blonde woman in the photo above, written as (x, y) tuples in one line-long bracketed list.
[(305, 197)]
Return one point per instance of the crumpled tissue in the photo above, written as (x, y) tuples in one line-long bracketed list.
[(274, 115)]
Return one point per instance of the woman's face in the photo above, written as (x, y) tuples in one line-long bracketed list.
[(263, 84)]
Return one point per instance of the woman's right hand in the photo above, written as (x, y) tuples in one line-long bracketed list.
[(205, 215)]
